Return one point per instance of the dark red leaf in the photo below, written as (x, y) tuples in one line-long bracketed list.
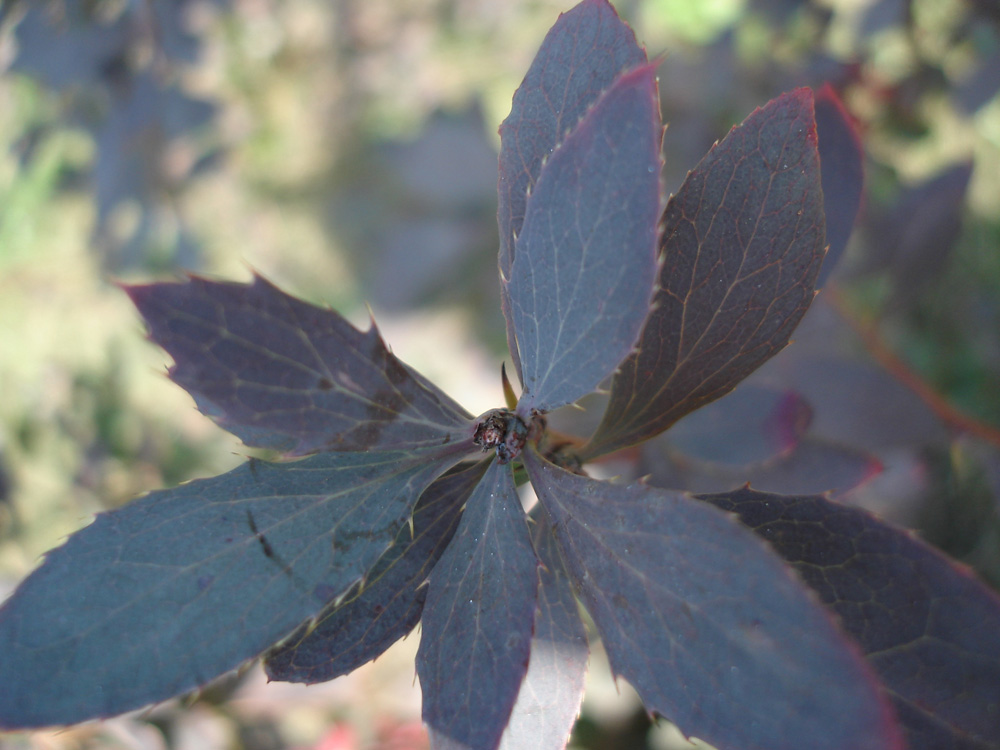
[(929, 629), (477, 622), (707, 624), (388, 603), (841, 159), (582, 279), (283, 374), (581, 56), (742, 245), (550, 696)]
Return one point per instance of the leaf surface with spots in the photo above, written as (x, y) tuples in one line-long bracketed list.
[(825, 629)]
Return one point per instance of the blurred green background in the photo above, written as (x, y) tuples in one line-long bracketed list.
[(347, 151)]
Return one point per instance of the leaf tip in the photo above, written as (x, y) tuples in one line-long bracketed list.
[(137, 293), (372, 325)]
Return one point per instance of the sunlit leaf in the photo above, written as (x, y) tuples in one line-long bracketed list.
[(476, 628), (742, 244), (926, 625), (172, 590), (388, 604), (581, 56), (706, 623), (283, 374), (550, 696), (583, 275)]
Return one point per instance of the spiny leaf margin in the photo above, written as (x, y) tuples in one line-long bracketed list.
[(478, 617), (170, 591), (742, 244), (584, 52), (282, 374), (926, 625), (388, 603), (582, 279), (709, 626)]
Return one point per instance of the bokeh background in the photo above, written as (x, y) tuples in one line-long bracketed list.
[(347, 151)]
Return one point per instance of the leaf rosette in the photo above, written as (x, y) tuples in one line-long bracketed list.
[(751, 620)]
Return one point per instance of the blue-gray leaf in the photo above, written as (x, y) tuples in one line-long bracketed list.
[(582, 278), (163, 595), (476, 629)]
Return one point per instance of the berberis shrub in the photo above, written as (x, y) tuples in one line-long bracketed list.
[(751, 620)]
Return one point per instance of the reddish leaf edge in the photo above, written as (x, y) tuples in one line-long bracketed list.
[(506, 253), (627, 72), (599, 444), (527, 400), (926, 554), (890, 724), (505, 302), (826, 93)]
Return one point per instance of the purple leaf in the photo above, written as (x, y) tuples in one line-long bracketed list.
[(929, 629), (283, 374), (706, 623), (752, 424), (856, 402), (583, 275), (742, 244), (172, 590), (388, 603), (814, 466), (841, 158), (581, 56), (550, 696), (476, 631)]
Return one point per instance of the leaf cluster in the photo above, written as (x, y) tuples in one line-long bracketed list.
[(751, 620)]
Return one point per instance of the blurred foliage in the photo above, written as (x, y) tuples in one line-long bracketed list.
[(347, 150)]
